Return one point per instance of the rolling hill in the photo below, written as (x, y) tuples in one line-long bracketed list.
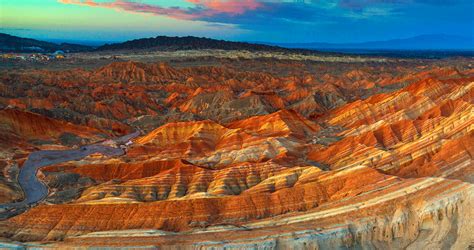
[(189, 43), (9, 43)]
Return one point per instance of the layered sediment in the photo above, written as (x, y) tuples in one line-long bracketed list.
[(355, 158)]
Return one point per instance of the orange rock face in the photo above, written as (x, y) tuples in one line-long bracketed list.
[(33, 126), (334, 156)]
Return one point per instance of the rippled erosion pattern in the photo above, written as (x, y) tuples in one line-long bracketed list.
[(245, 153)]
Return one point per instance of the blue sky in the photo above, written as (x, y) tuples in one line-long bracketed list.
[(337, 21)]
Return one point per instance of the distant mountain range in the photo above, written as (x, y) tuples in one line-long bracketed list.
[(188, 43), (423, 42), (9, 43)]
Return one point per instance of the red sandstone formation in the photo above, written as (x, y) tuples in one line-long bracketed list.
[(28, 125), (372, 156)]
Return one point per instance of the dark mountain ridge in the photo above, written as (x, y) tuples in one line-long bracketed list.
[(9, 43), (192, 43)]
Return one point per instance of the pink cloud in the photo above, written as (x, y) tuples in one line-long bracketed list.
[(204, 8), (227, 6)]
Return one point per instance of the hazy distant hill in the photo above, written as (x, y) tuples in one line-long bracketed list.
[(9, 43), (188, 43), (423, 42)]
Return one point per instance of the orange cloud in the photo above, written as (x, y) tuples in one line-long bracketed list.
[(204, 8), (229, 6)]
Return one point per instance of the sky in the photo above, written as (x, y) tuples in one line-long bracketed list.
[(291, 21)]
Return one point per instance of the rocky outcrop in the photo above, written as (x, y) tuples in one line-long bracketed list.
[(33, 126)]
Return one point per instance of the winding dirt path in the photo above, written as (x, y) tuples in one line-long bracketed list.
[(34, 189)]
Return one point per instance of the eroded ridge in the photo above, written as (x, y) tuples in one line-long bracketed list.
[(233, 158)]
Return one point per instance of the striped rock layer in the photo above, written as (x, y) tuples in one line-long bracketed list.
[(320, 170)]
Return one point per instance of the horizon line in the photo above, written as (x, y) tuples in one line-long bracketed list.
[(103, 42)]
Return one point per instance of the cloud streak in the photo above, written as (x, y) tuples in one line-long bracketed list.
[(309, 19), (128, 6), (202, 9), (232, 7), (234, 11)]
